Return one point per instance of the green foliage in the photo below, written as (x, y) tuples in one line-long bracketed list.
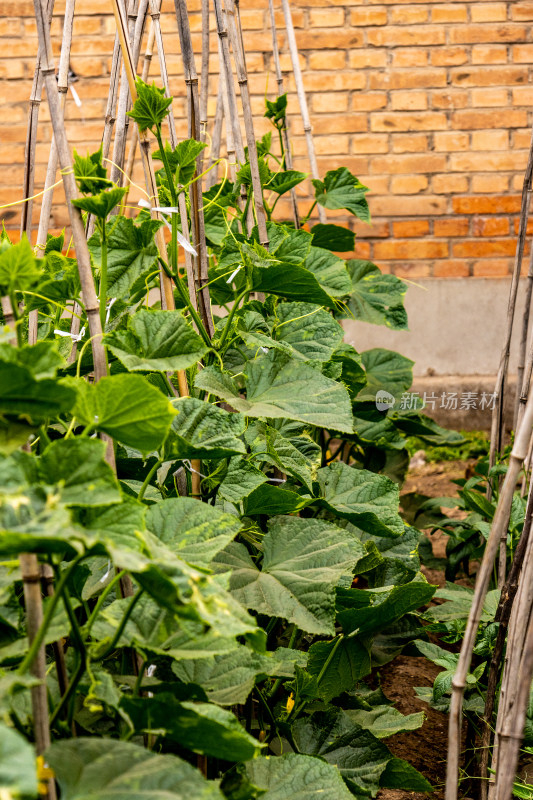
[(269, 574)]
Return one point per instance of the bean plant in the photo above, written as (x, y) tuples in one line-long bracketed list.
[(225, 565)]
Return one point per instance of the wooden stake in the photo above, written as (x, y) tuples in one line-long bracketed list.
[(80, 243), (302, 99)]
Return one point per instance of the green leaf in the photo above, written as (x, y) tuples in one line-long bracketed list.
[(330, 272), (297, 777), (386, 371), (365, 611), (182, 160), (276, 109), (101, 204), (303, 560), (151, 106), (375, 297), (203, 430), (240, 480), (200, 727), (131, 253), (54, 244), (339, 665), (341, 189), (333, 237), (127, 407), (290, 249), (293, 283), (459, 601), (352, 373), (42, 359), (19, 269), (285, 180), (103, 768), (21, 394), (279, 451), (18, 773), (309, 329), (228, 678), (278, 386), (194, 531), (384, 720), (90, 174), (368, 500), (157, 340), (273, 500), (79, 469), (399, 774)]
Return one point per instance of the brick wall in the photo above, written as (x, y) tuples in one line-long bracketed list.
[(427, 102)]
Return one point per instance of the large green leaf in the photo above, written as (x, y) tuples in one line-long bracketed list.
[(117, 527), (131, 253), (42, 359), (157, 340), (333, 237), (229, 678), (341, 189), (18, 773), (192, 530), (21, 394), (101, 769), (79, 469), (292, 248), (241, 479), (151, 105), (340, 664), (383, 720), (309, 329), (285, 180), (365, 611), (273, 500), (101, 204), (368, 500), (127, 407), (302, 563), (203, 430), (278, 386), (200, 727), (376, 297), (19, 269), (386, 371), (297, 777), (295, 282), (271, 447), (330, 272), (359, 756)]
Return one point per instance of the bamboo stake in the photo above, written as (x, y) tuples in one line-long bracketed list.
[(31, 577), (497, 414), (46, 208), (231, 113), (212, 175), (520, 373), (80, 243), (497, 531), (204, 72), (197, 214), (31, 135), (285, 132), (225, 113), (242, 79), (135, 32), (502, 617), (302, 99)]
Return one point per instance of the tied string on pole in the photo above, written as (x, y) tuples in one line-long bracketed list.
[(165, 211)]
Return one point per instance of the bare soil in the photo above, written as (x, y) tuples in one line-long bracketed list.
[(425, 748)]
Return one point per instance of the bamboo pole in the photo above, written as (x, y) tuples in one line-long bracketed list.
[(197, 214), (31, 135), (242, 79), (80, 243), (226, 115), (497, 414), (46, 207), (497, 531), (302, 99), (285, 132), (502, 617), (31, 578), (135, 32), (523, 348), (216, 139), (204, 71)]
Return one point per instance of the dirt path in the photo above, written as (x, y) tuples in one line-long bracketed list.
[(425, 748)]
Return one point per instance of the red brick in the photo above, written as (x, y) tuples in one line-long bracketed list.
[(409, 57), (522, 11), (408, 16), (490, 140), (490, 184), (391, 36), (326, 17), (488, 12), (375, 143), (409, 143), (490, 226), (451, 227), (412, 271), (449, 56), (464, 120), (473, 34), (500, 204), (446, 141), (489, 76), (408, 122), (407, 164), (409, 184), (409, 101), (451, 269), (452, 12), (491, 268), (368, 16), (489, 54), (449, 184), (326, 59), (449, 98), (360, 58), (482, 247), (483, 162), (490, 97), (410, 228), (424, 206), (410, 249)]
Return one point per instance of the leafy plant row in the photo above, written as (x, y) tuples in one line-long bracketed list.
[(254, 517)]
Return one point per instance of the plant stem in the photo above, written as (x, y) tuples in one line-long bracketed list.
[(186, 299), (148, 478), (231, 314), (103, 276), (101, 600), (47, 618), (120, 630)]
